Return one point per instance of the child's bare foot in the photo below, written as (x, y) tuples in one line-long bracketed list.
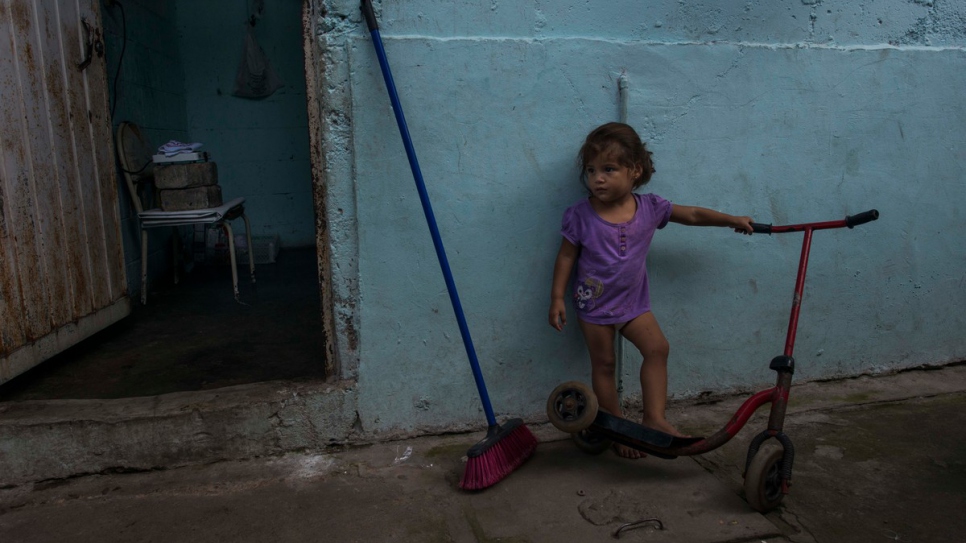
[(663, 425), (626, 452), (623, 450)]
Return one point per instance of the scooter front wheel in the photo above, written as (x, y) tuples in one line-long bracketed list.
[(572, 407), (763, 480)]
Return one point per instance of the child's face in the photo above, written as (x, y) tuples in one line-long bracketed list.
[(608, 180)]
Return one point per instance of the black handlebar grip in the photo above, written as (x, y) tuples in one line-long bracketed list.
[(760, 228), (370, 15), (862, 218)]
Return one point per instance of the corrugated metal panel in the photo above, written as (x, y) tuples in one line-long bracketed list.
[(61, 274)]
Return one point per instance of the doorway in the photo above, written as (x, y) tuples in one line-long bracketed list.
[(171, 69)]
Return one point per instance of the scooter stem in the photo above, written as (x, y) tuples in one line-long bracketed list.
[(799, 291)]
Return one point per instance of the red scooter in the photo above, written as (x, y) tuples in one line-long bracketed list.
[(572, 406)]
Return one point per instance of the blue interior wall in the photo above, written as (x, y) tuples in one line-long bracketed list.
[(149, 91), (790, 111), (261, 146)]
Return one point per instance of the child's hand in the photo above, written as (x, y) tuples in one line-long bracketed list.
[(558, 314), (742, 225)]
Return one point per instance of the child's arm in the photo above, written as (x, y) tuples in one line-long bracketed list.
[(700, 216), (562, 267)]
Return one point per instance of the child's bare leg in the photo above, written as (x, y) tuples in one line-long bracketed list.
[(647, 336), (600, 343)]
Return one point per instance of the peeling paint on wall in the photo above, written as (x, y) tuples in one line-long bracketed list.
[(944, 24), (334, 26)]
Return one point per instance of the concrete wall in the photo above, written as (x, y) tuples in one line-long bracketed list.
[(790, 111)]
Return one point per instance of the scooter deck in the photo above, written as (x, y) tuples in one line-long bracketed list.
[(638, 436)]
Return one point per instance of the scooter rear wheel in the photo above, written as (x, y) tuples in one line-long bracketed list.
[(572, 407), (763, 480)]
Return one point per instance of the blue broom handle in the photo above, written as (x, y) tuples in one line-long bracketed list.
[(430, 219)]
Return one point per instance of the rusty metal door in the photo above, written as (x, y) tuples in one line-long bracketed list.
[(61, 260)]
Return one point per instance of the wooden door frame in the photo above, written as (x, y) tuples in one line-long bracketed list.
[(313, 69)]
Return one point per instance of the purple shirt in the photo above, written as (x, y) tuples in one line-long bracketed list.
[(610, 283)]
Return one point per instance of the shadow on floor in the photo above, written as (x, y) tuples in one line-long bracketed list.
[(194, 336)]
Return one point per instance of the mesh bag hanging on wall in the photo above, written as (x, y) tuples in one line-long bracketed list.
[(255, 78)]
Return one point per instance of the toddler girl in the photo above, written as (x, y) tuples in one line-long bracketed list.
[(607, 236)]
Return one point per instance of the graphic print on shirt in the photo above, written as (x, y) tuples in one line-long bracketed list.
[(587, 291)]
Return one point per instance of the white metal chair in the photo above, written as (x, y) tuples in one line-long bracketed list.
[(138, 170)]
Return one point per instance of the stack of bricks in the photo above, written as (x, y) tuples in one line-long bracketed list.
[(189, 186)]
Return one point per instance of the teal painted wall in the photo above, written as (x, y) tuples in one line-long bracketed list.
[(149, 91), (261, 146), (790, 111)]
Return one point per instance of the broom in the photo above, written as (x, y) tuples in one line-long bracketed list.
[(505, 447)]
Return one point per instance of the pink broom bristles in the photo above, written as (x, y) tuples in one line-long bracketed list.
[(503, 450)]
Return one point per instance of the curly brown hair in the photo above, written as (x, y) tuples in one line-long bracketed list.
[(621, 142)]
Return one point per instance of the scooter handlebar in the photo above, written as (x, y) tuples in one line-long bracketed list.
[(849, 221), (760, 228), (862, 218)]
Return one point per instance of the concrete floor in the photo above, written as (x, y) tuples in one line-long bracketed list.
[(877, 459), (193, 336)]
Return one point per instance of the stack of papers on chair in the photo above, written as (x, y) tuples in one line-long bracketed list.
[(174, 147), (158, 217)]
